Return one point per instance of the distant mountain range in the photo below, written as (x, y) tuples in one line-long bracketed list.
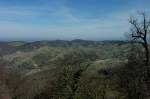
[(11, 47)]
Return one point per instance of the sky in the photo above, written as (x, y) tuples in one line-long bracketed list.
[(67, 19)]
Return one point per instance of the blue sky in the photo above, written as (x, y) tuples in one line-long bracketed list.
[(67, 19)]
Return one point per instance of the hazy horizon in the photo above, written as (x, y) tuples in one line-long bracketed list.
[(53, 39), (67, 19)]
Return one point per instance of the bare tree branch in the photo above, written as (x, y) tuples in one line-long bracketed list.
[(134, 22), (139, 32)]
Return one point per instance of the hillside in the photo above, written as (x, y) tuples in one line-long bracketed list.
[(69, 69), (11, 47)]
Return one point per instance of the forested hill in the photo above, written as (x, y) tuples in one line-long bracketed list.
[(11, 47), (73, 43)]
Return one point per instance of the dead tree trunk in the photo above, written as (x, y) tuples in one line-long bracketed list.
[(145, 45)]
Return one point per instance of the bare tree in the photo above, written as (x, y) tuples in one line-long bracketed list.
[(140, 29)]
